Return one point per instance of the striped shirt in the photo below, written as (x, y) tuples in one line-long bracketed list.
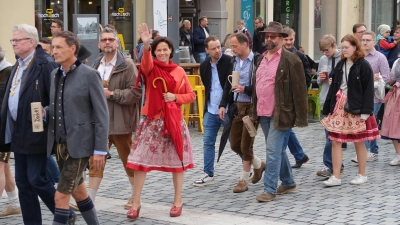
[(244, 79), (379, 64), (265, 84)]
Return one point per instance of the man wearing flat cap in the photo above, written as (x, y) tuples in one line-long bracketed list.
[(279, 103)]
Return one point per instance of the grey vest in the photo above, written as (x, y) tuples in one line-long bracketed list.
[(60, 125)]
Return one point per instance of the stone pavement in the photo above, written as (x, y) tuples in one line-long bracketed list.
[(372, 203)]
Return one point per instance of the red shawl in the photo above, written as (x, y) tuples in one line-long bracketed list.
[(160, 69)]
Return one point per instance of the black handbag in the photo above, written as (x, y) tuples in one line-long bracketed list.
[(346, 105)]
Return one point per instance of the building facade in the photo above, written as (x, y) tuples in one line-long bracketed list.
[(309, 18)]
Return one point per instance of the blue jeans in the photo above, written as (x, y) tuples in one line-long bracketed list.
[(211, 124), (30, 176), (373, 145), (201, 56), (278, 165), (52, 171), (295, 147), (327, 157)]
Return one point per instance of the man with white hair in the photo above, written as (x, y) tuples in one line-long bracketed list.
[(29, 82), (6, 178)]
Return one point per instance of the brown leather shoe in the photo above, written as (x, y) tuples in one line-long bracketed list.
[(258, 173), (265, 197), (241, 187), (285, 189)]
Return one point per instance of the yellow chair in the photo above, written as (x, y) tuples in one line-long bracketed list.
[(313, 96), (199, 89)]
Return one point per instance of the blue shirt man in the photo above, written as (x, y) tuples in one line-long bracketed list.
[(214, 73)]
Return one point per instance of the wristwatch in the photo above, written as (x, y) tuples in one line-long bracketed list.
[(111, 95)]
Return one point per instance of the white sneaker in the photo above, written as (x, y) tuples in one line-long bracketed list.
[(395, 161), (204, 180), (332, 181), (359, 179), (372, 156)]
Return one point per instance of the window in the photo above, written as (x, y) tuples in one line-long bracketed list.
[(325, 22), (45, 11), (382, 13), (121, 16)]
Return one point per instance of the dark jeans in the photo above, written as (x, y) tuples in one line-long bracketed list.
[(31, 179), (295, 147), (52, 171), (327, 157)]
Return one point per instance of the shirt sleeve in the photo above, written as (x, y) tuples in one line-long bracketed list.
[(386, 45), (99, 152), (384, 69)]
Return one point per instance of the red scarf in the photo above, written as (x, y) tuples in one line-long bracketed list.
[(156, 100)]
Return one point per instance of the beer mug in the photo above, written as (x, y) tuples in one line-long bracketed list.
[(235, 77), (37, 117)]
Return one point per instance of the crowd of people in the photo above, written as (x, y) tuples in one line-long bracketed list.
[(88, 108), (351, 76)]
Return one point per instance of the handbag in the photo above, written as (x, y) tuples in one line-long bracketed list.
[(379, 88), (346, 105)]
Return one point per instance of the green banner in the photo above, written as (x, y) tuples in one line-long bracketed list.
[(287, 12)]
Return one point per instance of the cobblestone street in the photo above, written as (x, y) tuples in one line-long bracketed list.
[(372, 203)]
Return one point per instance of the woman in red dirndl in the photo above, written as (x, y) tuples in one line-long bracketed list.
[(352, 83), (162, 140)]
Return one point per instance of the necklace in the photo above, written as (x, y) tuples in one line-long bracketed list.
[(349, 62), (16, 81)]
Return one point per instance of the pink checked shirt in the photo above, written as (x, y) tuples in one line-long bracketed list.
[(265, 84)]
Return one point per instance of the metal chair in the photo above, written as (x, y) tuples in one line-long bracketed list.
[(189, 111)]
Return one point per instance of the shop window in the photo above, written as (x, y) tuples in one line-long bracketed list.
[(121, 16), (325, 22), (45, 11)]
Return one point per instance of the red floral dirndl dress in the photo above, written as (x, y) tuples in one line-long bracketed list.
[(153, 150), (346, 127)]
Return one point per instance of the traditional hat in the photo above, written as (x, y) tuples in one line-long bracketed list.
[(83, 53), (275, 27)]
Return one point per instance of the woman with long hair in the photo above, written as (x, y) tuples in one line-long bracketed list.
[(162, 141), (350, 104)]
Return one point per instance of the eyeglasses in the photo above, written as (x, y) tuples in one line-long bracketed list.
[(366, 40), (270, 37), (16, 41), (52, 27), (325, 50), (104, 40), (361, 32)]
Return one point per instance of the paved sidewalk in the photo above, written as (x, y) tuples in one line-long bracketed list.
[(375, 202)]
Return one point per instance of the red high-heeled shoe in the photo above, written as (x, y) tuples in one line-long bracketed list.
[(175, 211), (133, 213)]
